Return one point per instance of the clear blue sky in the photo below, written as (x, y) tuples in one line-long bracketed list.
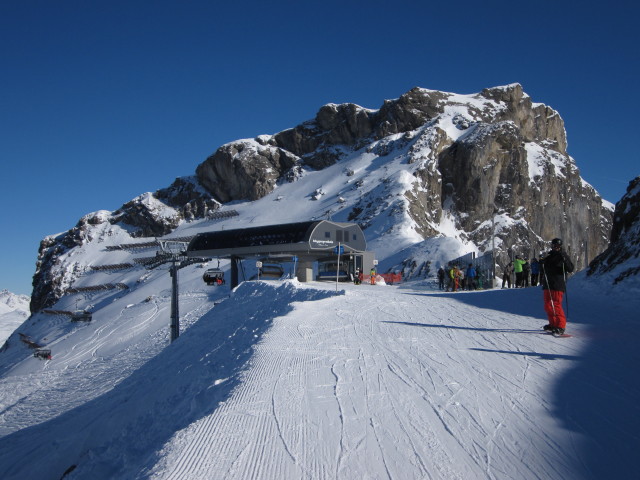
[(101, 101)]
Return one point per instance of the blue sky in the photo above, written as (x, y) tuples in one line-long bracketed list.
[(101, 101)]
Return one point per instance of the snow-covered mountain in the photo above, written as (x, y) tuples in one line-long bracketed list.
[(288, 380), (426, 165), (14, 310)]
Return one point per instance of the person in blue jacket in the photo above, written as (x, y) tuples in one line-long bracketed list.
[(471, 277), (535, 272)]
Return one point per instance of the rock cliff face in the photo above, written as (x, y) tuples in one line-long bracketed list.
[(495, 155), (238, 171), (488, 168), (622, 258)]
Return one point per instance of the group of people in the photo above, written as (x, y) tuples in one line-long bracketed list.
[(550, 271), (520, 273), (455, 278), (359, 276)]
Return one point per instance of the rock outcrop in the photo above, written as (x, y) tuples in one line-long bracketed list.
[(622, 258), (188, 198), (244, 170)]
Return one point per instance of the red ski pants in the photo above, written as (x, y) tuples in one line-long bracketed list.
[(553, 307)]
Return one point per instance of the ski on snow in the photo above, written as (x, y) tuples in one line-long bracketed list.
[(559, 335)]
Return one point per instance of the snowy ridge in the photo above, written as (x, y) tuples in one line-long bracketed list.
[(14, 310)]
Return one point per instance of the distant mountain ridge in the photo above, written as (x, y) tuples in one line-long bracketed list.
[(424, 165), (14, 310)]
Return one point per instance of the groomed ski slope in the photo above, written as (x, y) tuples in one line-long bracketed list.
[(291, 381), (401, 387)]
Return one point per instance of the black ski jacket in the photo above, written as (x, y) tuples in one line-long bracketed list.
[(553, 270)]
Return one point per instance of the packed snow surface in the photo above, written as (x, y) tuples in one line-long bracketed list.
[(306, 381)]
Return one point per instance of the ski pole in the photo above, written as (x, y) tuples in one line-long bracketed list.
[(546, 279)]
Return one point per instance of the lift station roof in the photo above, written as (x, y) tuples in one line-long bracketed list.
[(299, 239)]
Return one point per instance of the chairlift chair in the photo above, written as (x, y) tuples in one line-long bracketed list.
[(272, 270), (328, 270), (213, 276), (43, 353)]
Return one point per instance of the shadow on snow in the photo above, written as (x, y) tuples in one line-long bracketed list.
[(598, 397), (541, 356), (184, 383)]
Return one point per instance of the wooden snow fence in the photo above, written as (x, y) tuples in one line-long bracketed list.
[(27, 340), (98, 288), (115, 266)]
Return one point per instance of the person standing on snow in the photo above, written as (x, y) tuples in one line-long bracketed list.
[(506, 275), (526, 272), (441, 278), (535, 271), (553, 269), (451, 278), (517, 268), (357, 280), (455, 278), (461, 279), (471, 277)]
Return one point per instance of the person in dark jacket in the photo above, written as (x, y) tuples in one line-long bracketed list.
[(535, 271), (553, 271), (441, 278), (506, 275)]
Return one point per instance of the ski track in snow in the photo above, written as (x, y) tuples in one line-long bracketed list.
[(283, 380), (361, 389)]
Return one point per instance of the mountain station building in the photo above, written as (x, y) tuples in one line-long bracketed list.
[(303, 243)]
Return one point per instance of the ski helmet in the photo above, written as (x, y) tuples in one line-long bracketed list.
[(556, 242)]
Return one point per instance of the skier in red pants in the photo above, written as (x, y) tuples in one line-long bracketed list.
[(553, 269)]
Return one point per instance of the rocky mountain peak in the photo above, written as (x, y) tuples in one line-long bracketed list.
[(511, 94), (475, 156)]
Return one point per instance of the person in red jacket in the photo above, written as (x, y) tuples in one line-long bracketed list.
[(553, 271)]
